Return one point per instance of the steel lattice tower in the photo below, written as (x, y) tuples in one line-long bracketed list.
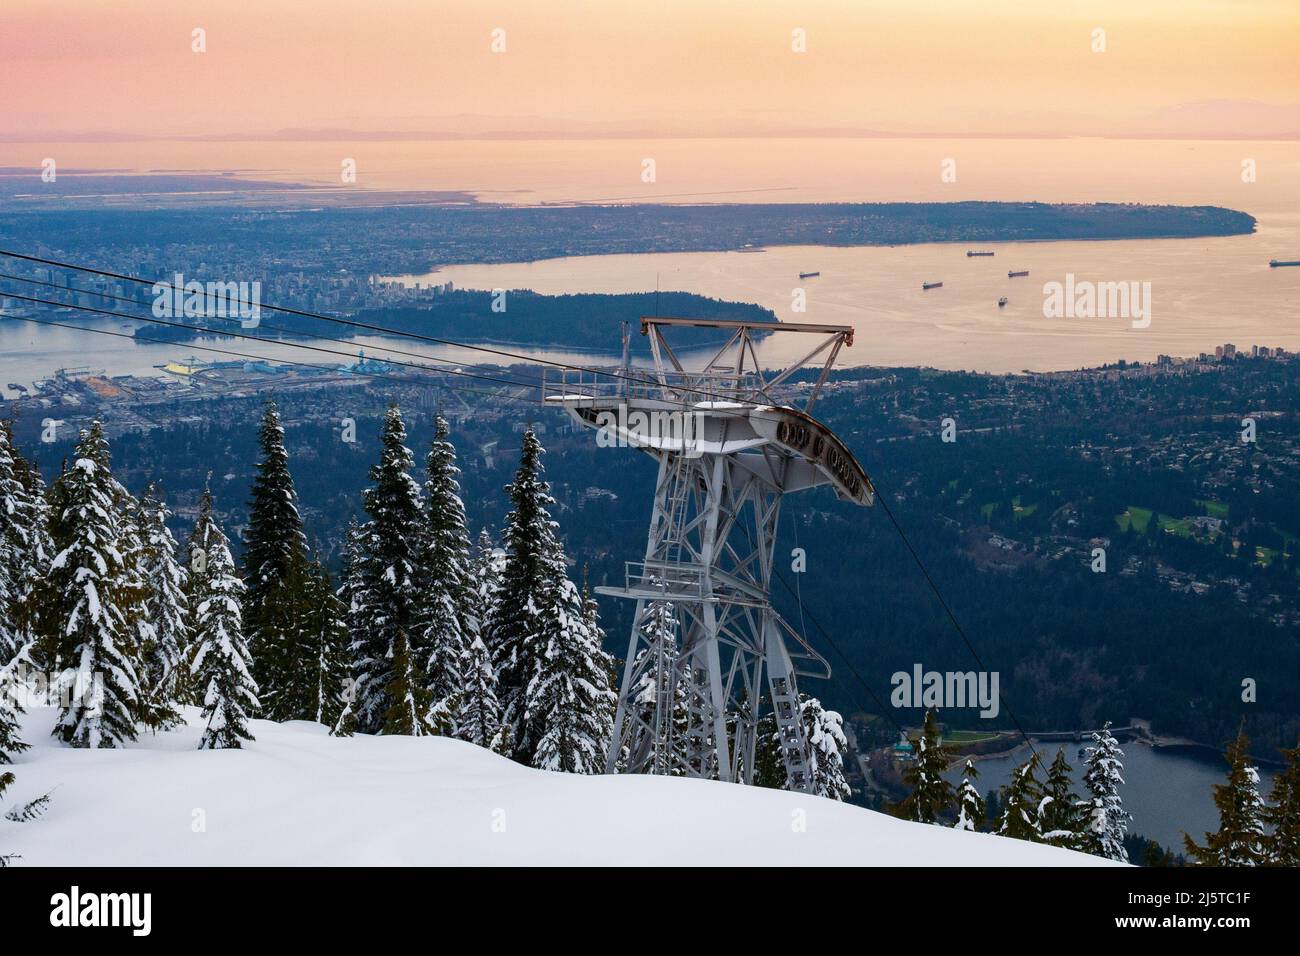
[(727, 452)]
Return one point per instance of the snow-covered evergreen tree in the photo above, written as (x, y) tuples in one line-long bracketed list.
[(408, 702), (931, 794), (479, 717), (569, 704), (220, 663), (1104, 820), (1283, 814), (1059, 817), (274, 546), (827, 746), (971, 810), (1021, 799), (384, 584), (12, 690), (25, 548), (447, 619), (528, 583), (1241, 839), (487, 564), (329, 644), (93, 590), (167, 611), (16, 521)]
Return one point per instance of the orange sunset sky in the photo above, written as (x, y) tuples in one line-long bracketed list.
[(86, 68)]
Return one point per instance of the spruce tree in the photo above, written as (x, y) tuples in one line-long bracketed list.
[(1241, 839), (528, 581), (354, 600), (1020, 803), (274, 545), (409, 702), (569, 705), (971, 809), (220, 665), (479, 718), (827, 746), (485, 569), (15, 523), (1104, 820), (384, 581), (12, 688), (93, 591), (167, 611), (328, 646), (1283, 815), (447, 620), (1059, 814), (25, 548), (931, 794)]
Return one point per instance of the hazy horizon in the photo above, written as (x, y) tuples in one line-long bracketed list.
[(86, 70)]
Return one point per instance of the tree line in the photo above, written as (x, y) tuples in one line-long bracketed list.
[(424, 635), (1045, 809)]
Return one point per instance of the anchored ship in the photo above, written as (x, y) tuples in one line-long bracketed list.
[(971, 253), (1016, 275), (931, 285), (808, 275), (1277, 263)]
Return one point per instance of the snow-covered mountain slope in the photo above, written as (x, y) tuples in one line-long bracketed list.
[(299, 796)]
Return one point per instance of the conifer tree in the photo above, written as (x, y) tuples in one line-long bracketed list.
[(1283, 815), (33, 548), (1059, 814), (312, 628), (409, 702), (92, 587), (1241, 839), (384, 581), (569, 705), (486, 567), (827, 745), (274, 546), (1105, 821), (12, 676), (447, 620), (479, 718), (167, 611), (17, 519), (971, 809), (329, 644), (220, 664), (1020, 802), (931, 794), (528, 581)]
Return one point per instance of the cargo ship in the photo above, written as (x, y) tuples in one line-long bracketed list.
[(808, 275), (972, 253), (931, 285), (1017, 275), (1279, 263)]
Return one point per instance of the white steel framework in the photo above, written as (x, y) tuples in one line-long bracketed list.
[(728, 450)]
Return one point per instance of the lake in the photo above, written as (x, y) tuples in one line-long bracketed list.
[(1167, 793)]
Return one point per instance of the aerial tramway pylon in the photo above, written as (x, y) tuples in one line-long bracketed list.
[(728, 450)]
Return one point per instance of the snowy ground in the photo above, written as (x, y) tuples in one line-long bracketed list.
[(300, 797)]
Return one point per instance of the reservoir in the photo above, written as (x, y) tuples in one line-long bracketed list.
[(1167, 793)]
